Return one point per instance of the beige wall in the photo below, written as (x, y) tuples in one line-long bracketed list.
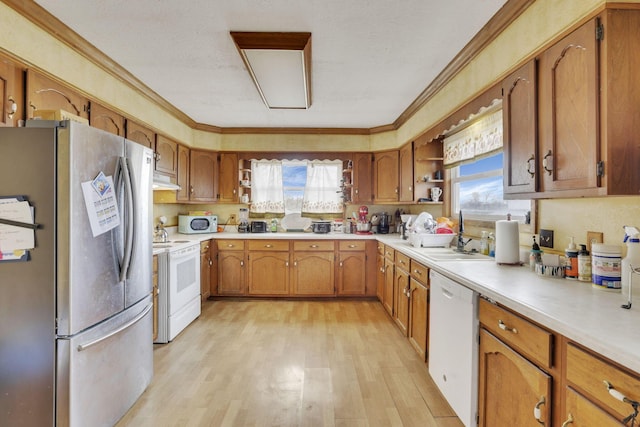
[(541, 22)]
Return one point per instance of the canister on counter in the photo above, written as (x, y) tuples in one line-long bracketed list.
[(606, 267)]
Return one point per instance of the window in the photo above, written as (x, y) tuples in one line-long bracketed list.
[(474, 155), (476, 188), (310, 187), (294, 178)]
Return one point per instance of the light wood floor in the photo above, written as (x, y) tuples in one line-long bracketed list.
[(290, 363)]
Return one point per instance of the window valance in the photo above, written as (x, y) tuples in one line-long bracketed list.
[(481, 137)]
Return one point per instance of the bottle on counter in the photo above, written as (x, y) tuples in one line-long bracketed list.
[(484, 243), (584, 264), (571, 266), (632, 259), (536, 255), (492, 245)]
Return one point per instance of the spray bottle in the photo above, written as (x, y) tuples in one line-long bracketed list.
[(632, 260)]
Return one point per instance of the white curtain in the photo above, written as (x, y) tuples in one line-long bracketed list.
[(322, 193), (267, 194)]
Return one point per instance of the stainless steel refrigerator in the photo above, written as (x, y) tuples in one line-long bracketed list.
[(75, 316)]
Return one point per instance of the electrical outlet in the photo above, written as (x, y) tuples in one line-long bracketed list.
[(232, 219), (594, 237), (546, 238)]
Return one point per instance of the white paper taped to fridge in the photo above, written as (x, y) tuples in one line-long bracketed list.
[(14, 238)]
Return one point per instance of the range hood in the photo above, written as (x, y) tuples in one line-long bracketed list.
[(161, 182)]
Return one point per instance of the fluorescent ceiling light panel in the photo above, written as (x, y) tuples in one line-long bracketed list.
[(280, 66)]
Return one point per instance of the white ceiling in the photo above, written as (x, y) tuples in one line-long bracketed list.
[(371, 58)]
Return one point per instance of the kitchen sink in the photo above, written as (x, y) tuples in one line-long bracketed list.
[(447, 254)]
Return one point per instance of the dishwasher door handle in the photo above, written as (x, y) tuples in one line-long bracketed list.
[(446, 293)]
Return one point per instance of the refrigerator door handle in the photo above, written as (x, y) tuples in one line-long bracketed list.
[(123, 179), (82, 347), (130, 218)]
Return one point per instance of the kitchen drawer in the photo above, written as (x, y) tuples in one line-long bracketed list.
[(352, 245), (380, 248), (268, 245), (419, 272), (230, 245), (389, 253), (204, 246), (313, 245), (402, 261), (527, 338), (588, 374)]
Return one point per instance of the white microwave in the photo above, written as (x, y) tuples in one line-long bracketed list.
[(194, 224)]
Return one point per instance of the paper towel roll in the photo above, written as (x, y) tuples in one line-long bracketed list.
[(507, 242)]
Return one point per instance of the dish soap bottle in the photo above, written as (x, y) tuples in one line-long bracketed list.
[(484, 243), (571, 266)]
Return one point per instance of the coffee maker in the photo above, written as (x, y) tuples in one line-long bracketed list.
[(383, 225), (243, 221)]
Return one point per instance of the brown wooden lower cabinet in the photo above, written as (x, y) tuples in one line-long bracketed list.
[(581, 412), (231, 267), (205, 270), (401, 298), (313, 273), (510, 387), (419, 308), (268, 273), (389, 276)]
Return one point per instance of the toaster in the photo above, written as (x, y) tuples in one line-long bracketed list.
[(258, 226)]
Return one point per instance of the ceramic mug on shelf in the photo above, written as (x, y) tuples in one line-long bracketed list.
[(436, 192)]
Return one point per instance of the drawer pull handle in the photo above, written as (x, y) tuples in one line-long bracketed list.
[(622, 398), (569, 421), (417, 272), (353, 246), (313, 246), (230, 245), (268, 246), (504, 327), (537, 413)]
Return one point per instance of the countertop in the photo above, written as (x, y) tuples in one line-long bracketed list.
[(591, 317)]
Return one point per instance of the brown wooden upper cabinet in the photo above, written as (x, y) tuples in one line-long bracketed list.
[(103, 118), (184, 155), (11, 92), (166, 156), (587, 120), (140, 134), (44, 93), (519, 122), (406, 173), (385, 176), (362, 174), (201, 185), (228, 181)]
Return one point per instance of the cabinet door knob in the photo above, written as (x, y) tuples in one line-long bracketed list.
[(341, 264), (531, 166), (191, 190), (13, 109), (569, 421), (504, 327), (537, 413), (547, 162)]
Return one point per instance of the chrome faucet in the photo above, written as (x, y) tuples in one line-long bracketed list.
[(161, 235), (461, 243)]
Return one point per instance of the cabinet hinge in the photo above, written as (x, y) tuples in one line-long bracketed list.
[(599, 32), (600, 168)]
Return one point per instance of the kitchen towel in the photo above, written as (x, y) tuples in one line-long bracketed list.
[(507, 242)]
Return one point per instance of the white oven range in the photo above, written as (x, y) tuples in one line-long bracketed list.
[(178, 288)]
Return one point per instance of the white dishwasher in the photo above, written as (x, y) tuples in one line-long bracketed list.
[(453, 345)]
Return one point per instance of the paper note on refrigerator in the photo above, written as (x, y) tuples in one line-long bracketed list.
[(14, 238), (101, 204)]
